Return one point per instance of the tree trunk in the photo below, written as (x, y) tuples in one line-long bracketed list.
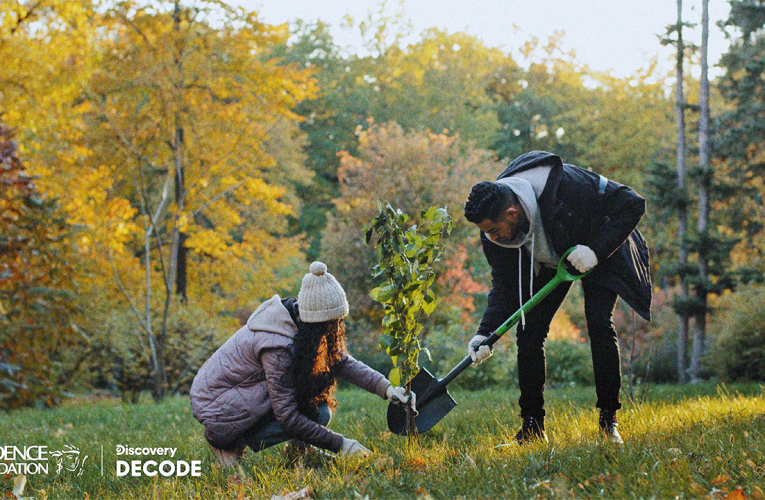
[(699, 334), (180, 279), (180, 283), (682, 213)]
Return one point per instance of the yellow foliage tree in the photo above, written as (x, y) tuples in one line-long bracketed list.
[(165, 130)]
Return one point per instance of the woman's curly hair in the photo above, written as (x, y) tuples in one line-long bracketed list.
[(317, 352)]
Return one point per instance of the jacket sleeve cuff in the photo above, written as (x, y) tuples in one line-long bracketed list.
[(382, 387), (337, 442)]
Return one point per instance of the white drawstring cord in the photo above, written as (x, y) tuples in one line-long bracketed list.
[(531, 280), (520, 289)]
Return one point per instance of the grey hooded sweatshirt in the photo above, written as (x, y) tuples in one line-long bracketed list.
[(251, 375), (527, 186)]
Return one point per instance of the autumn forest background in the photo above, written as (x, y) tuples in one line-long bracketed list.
[(169, 165)]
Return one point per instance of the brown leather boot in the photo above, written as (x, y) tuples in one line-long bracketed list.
[(228, 458)]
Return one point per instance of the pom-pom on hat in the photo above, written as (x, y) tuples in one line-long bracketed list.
[(321, 298)]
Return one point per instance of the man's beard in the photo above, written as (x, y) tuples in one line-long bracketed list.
[(520, 230)]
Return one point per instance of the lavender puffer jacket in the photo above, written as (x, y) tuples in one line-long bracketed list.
[(251, 374)]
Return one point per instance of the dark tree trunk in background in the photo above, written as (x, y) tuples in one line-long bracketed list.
[(180, 280), (699, 334), (180, 193), (682, 214)]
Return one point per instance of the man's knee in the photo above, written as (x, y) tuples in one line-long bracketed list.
[(601, 328), (532, 338)]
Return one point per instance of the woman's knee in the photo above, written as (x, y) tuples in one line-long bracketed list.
[(220, 440), (324, 415)]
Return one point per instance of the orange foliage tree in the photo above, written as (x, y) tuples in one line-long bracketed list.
[(411, 170)]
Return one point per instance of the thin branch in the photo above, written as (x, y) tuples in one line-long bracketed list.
[(190, 364), (126, 293), (20, 19), (222, 157), (219, 195)]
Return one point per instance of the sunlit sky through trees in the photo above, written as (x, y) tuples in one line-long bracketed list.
[(616, 35)]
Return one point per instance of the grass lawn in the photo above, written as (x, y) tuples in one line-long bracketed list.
[(697, 441)]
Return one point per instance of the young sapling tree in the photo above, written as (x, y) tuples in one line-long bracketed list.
[(406, 260)]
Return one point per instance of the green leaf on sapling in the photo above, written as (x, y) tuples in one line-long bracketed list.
[(383, 294), (429, 302), (395, 376)]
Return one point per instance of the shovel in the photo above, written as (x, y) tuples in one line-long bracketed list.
[(433, 400)]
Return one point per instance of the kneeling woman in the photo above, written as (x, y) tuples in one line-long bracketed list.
[(274, 379)]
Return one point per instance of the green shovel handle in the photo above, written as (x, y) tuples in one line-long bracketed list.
[(563, 274)]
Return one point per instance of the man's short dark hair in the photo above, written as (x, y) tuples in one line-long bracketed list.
[(488, 200)]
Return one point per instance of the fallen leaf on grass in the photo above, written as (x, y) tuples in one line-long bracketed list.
[(751, 463), (19, 483), (415, 463), (696, 489), (718, 494), (423, 494), (720, 480), (383, 461), (545, 484), (294, 495), (737, 494), (239, 480)]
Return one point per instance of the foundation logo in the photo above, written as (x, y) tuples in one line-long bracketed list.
[(69, 459), (37, 459)]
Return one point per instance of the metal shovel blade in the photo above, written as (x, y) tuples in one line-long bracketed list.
[(433, 403)]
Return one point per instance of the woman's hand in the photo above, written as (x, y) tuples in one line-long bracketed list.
[(399, 395), (353, 447)]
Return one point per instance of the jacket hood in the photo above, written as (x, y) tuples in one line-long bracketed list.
[(525, 193), (530, 160), (272, 317)]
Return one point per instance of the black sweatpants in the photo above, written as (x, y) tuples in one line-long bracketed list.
[(599, 304)]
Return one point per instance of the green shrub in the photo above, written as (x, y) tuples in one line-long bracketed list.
[(119, 358), (568, 362), (448, 347), (738, 331)]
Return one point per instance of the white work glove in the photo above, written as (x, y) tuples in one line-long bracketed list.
[(478, 355), (583, 258), (352, 447), (398, 395)]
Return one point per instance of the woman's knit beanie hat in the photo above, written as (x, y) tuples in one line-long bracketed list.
[(321, 298)]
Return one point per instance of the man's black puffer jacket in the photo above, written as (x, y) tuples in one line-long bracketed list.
[(578, 207)]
